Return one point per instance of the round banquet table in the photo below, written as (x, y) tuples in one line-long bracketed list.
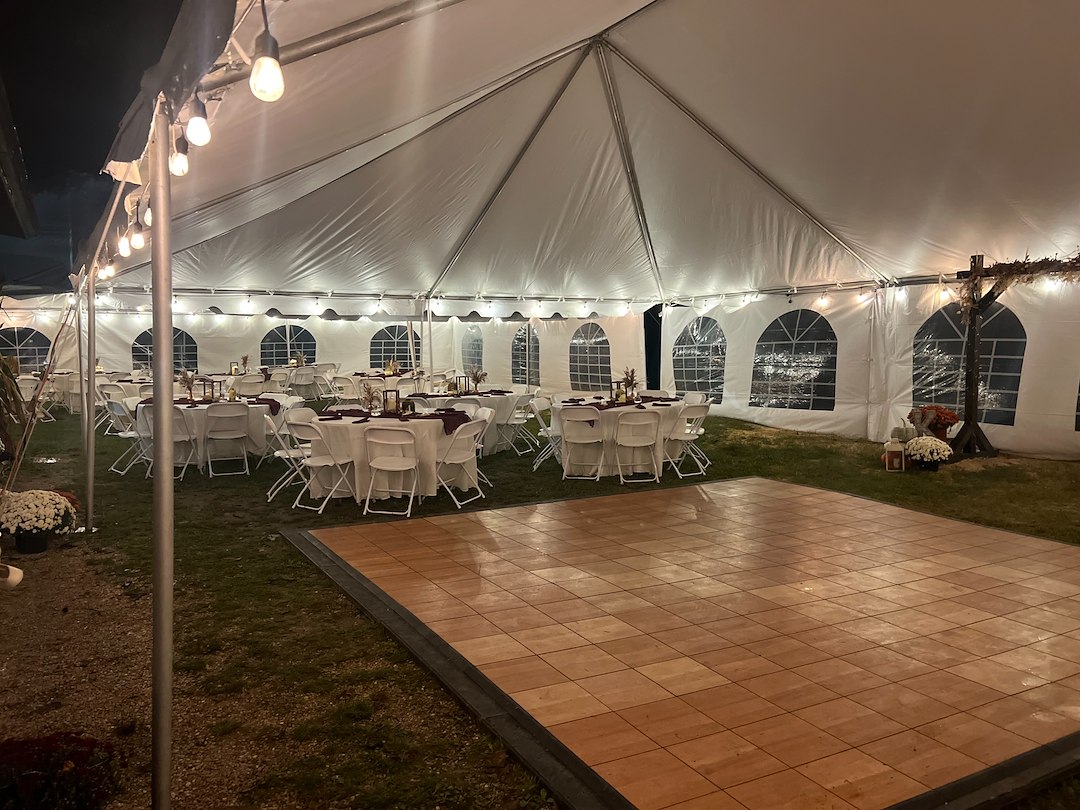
[(345, 438), (256, 428), (502, 404), (636, 459)]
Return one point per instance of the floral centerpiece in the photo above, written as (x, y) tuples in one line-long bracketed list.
[(244, 362), (299, 359), (927, 451), (31, 517), (630, 381), (477, 375), (933, 420), (392, 367), (187, 379), (368, 396)]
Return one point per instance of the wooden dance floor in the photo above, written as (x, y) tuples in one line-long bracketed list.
[(749, 643)]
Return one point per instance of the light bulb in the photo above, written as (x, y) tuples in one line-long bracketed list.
[(178, 160), (138, 241), (266, 81), (198, 131), (146, 216), (123, 247), (108, 271), (945, 295)]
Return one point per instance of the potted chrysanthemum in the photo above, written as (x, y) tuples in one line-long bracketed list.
[(927, 452), (34, 516)]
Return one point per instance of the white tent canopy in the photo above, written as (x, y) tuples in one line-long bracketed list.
[(771, 145), (509, 158)]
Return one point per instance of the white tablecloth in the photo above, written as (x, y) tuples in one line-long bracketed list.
[(585, 457), (502, 404), (256, 438), (346, 440)]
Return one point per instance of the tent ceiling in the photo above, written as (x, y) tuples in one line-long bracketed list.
[(876, 140)]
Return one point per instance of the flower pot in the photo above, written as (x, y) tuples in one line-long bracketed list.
[(941, 433), (32, 542), (930, 466)]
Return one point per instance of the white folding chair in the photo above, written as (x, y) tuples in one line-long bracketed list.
[(278, 382), (469, 406), (343, 388), (308, 432), (553, 448), (146, 391), (28, 390), (303, 382), (460, 453), (251, 385), (637, 430), (392, 451), (487, 416), (653, 392), (287, 450), (581, 428), (123, 427), (513, 431), (227, 424), (183, 433), (695, 398), (684, 435)]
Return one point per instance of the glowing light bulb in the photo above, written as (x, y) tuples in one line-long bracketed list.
[(266, 82), (138, 240), (178, 160), (146, 216), (198, 131), (945, 295), (108, 271), (123, 247)]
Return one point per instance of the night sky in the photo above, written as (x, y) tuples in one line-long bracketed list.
[(71, 69)]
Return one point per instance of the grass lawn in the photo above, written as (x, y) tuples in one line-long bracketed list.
[(278, 673)]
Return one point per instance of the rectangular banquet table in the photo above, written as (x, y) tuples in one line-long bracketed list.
[(345, 437), (587, 456)]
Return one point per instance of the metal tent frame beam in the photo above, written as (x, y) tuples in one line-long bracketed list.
[(745, 161), (333, 38), (622, 135), (478, 221)]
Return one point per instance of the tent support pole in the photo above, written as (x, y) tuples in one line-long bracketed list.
[(430, 342), (89, 403), (712, 133), (464, 241), (79, 369), (618, 122), (162, 665), (334, 38)]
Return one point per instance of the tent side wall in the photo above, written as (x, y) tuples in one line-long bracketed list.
[(875, 338)]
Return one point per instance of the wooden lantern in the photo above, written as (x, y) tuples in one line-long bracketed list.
[(618, 391), (391, 403), (234, 368), (462, 384)]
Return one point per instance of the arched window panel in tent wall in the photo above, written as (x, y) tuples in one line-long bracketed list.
[(795, 364), (185, 351), (698, 359), (28, 346), (392, 343), (590, 359), (472, 348), (281, 344), (938, 362), (525, 357)]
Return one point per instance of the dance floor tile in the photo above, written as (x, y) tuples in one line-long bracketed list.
[(751, 644)]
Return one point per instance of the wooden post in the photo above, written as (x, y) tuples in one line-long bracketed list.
[(970, 439)]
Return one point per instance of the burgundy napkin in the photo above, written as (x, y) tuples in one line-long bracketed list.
[(273, 404)]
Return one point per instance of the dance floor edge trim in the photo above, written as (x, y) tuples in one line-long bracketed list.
[(573, 783), (576, 785)]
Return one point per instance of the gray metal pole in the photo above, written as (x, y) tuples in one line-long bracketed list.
[(430, 344), (334, 38), (88, 402), (161, 284), (79, 368)]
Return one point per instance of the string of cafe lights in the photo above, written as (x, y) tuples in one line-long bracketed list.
[(266, 82)]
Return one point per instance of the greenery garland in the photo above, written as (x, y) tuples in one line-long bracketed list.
[(1021, 271)]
